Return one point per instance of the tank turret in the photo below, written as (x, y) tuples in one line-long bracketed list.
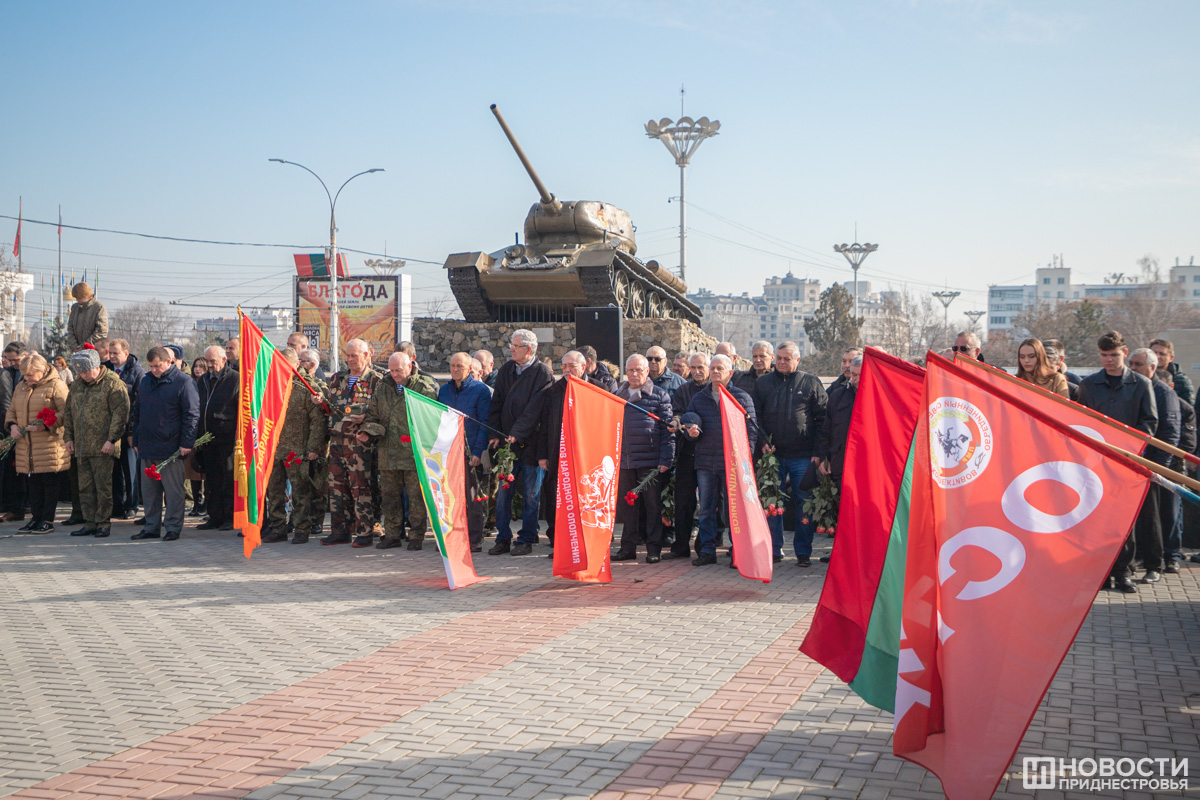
[(575, 253)]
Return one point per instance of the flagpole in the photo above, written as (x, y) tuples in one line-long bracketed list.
[(1096, 415), (20, 214), (60, 279), (1165, 472)]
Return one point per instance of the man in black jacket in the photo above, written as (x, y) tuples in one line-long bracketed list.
[(831, 444), (127, 495), (1173, 526), (1127, 397), (648, 447), (13, 484), (219, 391), (516, 409), (597, 374), (791, 409), (1165, 351), (761, 356), (549, 430), (685, 461), (1150, 537)]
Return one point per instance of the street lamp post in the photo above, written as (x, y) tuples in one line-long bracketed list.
[(855, 253), (974, 317), (682, 138), (946, 298), (334, 314)]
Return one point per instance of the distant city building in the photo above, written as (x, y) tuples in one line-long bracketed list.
[(13, 287), (1052, 285), (275, 323)]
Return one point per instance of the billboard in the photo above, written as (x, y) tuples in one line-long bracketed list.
[(369, 308)]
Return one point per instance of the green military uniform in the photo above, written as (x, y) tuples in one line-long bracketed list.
[(318, 470), (387, 422), (305, 430), (96, 413), (351, 505)]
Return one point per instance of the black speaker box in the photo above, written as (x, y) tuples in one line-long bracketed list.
[(603, 329)]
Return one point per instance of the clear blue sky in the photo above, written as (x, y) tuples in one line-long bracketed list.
[(971, 139)]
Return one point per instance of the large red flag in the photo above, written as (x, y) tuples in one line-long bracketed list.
[(1016, 521), (16, 250), (881, 431), (748, 531), (589, 459), (1081, 418)]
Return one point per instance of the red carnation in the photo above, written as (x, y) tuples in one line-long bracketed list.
[(506, 485), (804, 521), (89, 346), (820, 529), (48, 417), (829, 531), (152, 472), (405, 439), (511, 477)]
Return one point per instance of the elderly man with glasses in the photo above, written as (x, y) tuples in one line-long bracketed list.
[(660, 376), (968, 344)]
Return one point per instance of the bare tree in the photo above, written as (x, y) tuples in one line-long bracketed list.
[(145, 325), (1154, 306), (892, 328)]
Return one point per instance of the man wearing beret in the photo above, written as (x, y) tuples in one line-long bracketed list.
[(96, 415)]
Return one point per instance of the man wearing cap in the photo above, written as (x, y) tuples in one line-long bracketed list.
[(96, 416), (87, 322)]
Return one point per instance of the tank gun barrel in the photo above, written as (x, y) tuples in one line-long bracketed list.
[(547, 198)]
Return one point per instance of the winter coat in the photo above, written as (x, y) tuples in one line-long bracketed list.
[(1168, 428), (646, 442), (305, 428), (710, 445), (791, 409), (166, 415), (387, 419), (1183, 384), (516, 406), (42, 451), (131, 374), (1057, 383), (745, 380), (1131, 403), (685, 446), (1187, 433), (219, 393), (668, 382), (831, 444), (603, 378), (9, 378), (340, 396), (474, 399), (97, 412), (550, 426), (86, 322)]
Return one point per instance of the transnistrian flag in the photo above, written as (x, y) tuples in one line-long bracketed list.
[(855, 627), (315, 265), (589, 458), (262, 406), (16, 250), (748, 531), (1016, 520), (439, 446)]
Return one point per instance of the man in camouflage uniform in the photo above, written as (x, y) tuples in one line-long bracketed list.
[(304, 435), (387, 423), (348, 395), (310, 368), (96, 415)]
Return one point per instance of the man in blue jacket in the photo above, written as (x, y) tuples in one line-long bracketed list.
[(647, 448), (473, 398), (127, 494), (710, 449), (164, 420)]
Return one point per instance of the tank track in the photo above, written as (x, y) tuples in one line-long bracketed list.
[(597, 286), (465, 285)]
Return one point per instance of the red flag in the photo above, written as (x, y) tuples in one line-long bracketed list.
[(589, 458), (748, 531), (1016, 521), (16, 251), (881, 432)]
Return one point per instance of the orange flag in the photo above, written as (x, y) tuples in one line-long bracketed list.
[(1016, 521), (589, 461), (747, 523)]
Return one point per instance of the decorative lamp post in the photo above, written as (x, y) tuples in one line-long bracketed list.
[(946, 298), (682, 138), (334, 315), (855, 253)]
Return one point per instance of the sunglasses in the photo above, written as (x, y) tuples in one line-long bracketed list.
[(958, 349), (655, 358)]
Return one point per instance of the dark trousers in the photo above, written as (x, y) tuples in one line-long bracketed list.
[(1170, 513), (643, 519), (685, 503), (1141, 538), (475, 511), (127, 495), (43, 495), (73, 488), (13, 487), (217, 458), (550, 499)]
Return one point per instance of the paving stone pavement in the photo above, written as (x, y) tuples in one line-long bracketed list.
[(184, 670)]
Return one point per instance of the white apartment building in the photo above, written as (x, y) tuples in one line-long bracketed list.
[(275, 323)]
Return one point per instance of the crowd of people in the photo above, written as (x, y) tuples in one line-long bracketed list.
[(124, 436)]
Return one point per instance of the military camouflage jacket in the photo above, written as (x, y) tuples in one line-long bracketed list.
[(96, 413), (305, 428), (387, 420), (341, 396)]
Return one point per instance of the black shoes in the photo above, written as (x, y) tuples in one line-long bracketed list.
[(137, 537), (803, 561), (365, 540), (83, 532), (300, 538), (43, 527), (521, 549), (208, 526), (671, 556), (386, 544), (704, 559), (272, 538), (478, 548), (625, 557), (170, 537), (1124, 584), (140, 521), (1151, 576), (500, 547), (225, 526), (653, 559), (414, 545), (103, 533), (74, 519), (336, 538), (27, 527), (1172, 568)]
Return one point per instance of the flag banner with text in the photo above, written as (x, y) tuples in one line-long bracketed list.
[(1093, 423), (844, 634), (589, 458), (1016, 520), (439, 446), (748, 530), (266, 386)]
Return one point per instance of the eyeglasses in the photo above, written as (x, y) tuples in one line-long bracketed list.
[(964, 349), (656, 358)]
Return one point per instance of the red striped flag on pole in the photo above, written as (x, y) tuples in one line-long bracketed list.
[(748, 531), (16, 251)]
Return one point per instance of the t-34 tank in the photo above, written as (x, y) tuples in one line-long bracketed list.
[(577, 253)]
